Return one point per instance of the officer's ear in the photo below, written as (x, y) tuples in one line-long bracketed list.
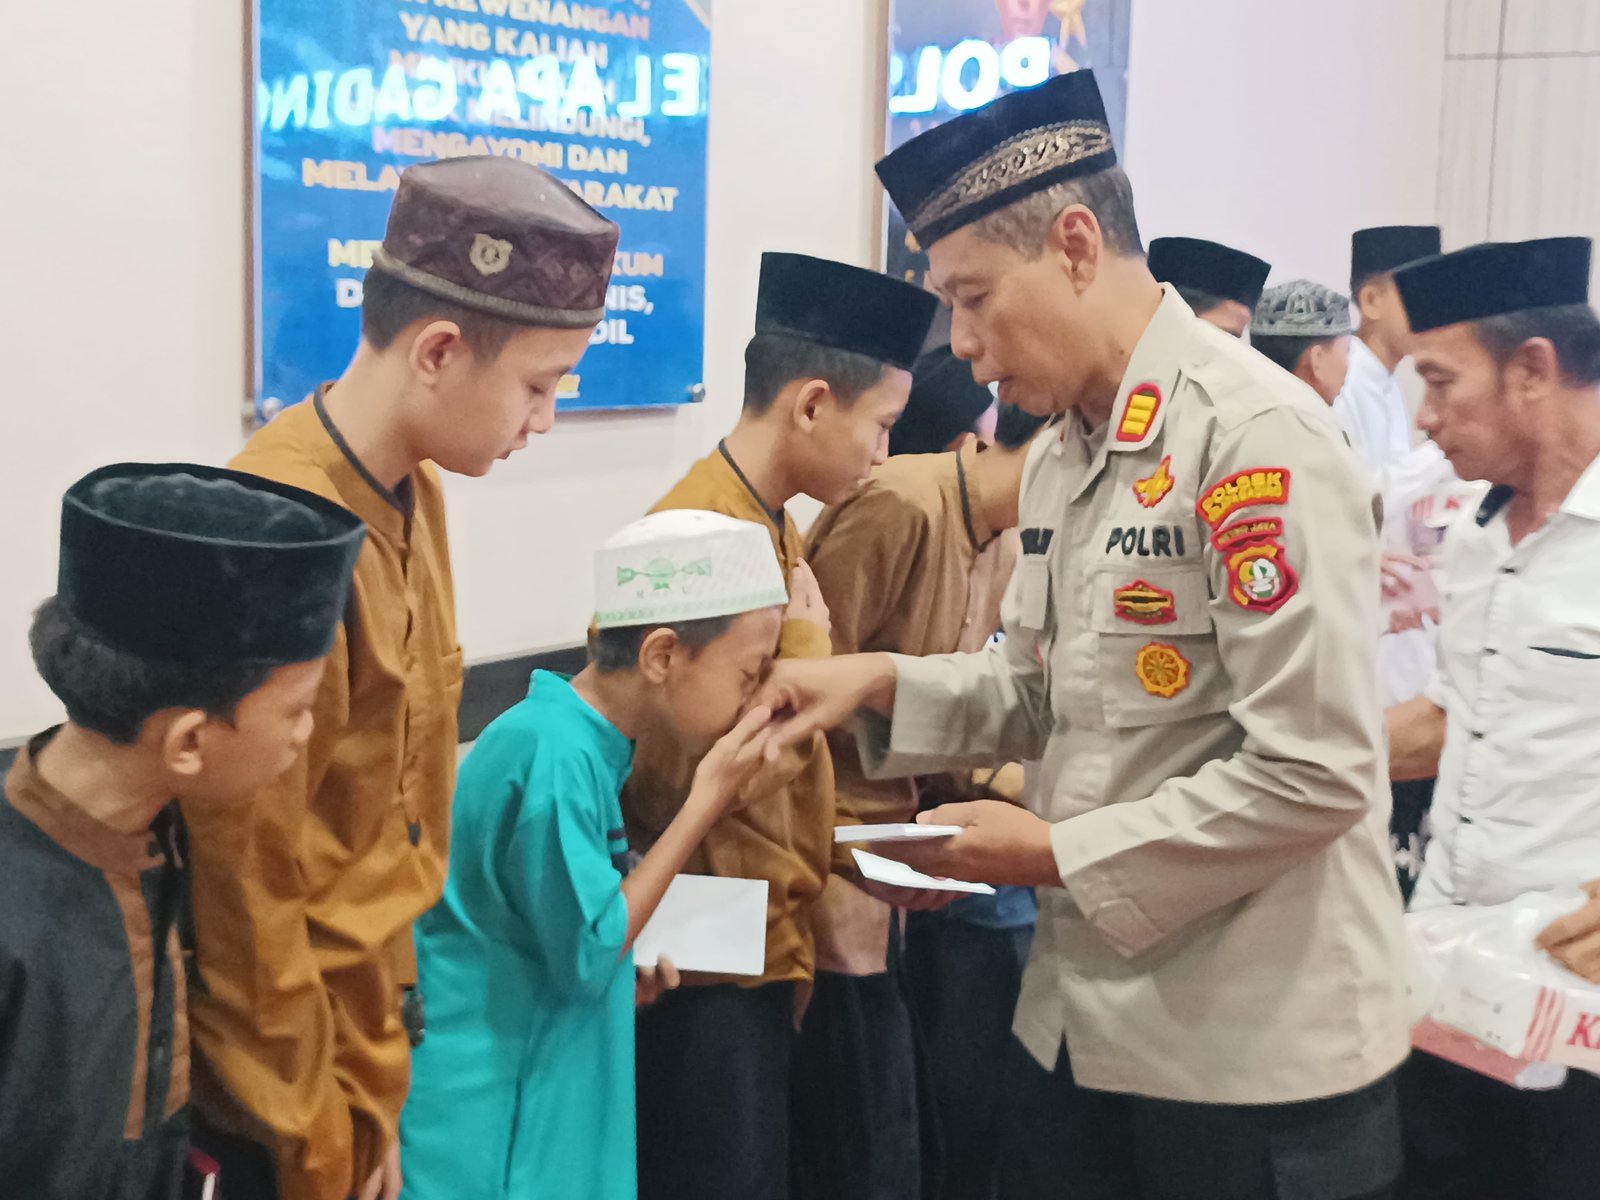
[(1075, 236)]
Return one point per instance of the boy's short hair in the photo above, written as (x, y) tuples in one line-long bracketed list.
[(772, 361), (1025, 224), (113, 693), (616, 647), (389, 306), (1573, 329), (1287, 351)]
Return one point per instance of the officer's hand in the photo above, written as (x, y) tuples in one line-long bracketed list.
[(998, 843), (1574, 940), (811, 694)]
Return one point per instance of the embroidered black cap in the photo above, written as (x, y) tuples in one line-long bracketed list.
[(977, 163)]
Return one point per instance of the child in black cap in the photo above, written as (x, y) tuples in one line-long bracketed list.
[(186, 639)]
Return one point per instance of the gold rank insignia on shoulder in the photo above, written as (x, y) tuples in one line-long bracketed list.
[(1253, 485), (1143, 404), (1152, 489), (1144, 604), (1162, 669)]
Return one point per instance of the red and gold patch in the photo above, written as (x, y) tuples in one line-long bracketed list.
[(1144, 604), (1256, 485), (1246, 533), (1143, 404), (1260, 577), (1161, 669), (1152, 489)]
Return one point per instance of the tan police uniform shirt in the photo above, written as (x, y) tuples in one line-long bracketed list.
[(783, 831), (1189, 648), (304, 901)]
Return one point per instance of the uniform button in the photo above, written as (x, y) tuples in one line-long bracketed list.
[(1477, 733), (414, 832), (1508, 570), (1490, 650)]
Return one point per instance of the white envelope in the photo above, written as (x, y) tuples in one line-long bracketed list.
[(707, 923), (893, 833), (897, 874)]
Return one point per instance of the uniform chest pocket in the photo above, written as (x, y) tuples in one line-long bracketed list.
[(1157, 651), (1560, 665)]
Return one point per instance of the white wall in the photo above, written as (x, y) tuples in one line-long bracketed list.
[(122, 303), (1279, 126)]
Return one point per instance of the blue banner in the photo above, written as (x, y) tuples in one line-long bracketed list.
[(610, 96)]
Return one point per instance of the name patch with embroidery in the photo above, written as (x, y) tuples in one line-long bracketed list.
[(1244, 533), (1144, 604), (1256, 485), (1147, 541)]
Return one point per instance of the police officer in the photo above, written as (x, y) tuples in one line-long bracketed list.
[(1510, 352), (1213, 1005)]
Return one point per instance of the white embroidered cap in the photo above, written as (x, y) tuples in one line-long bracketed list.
[(685, 565)]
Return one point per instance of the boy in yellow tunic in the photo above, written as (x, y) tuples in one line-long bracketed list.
[(914, 564), (826, 377), (490, 279)]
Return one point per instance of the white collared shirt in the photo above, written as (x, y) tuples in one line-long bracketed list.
[(1371, 409), (1517, 805)]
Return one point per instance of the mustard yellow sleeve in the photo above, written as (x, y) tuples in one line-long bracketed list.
[(262, 1021)]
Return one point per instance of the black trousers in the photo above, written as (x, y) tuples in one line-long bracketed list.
[(963, 982), (855, 1120), (713, 1087), (246, 1169), (1469, 1137), (1065, 1142)]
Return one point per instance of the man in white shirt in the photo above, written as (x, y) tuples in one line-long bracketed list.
[(1371, 407), (1221, 284), (1510, 353)]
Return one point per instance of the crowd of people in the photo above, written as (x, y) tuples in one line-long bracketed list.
[(1141, 581)]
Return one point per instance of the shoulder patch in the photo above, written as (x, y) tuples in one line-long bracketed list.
[(1260, 578), (1243, 533), (1253, 485)]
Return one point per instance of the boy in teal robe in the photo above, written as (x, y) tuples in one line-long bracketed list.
[(524, 1084)]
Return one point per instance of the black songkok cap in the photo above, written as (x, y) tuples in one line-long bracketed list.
[(843, 307), (1494, 278), (975, 164), (502, 237), (945, 403), (193, 564), (1209, 267), (1381, 249)]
